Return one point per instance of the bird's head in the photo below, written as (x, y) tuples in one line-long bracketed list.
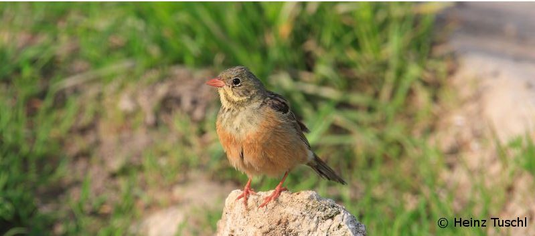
[(238, 87)]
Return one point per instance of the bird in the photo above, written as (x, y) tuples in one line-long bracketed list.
[(259, 132)]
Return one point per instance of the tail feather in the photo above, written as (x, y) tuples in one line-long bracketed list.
[(324, 170)]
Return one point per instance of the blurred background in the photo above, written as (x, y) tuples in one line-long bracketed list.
[(107, 128)]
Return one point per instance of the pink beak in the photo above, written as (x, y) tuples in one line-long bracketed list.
[(216, 82)]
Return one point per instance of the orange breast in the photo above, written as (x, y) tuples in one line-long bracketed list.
[(273, 148)]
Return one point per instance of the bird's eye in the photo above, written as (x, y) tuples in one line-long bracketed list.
[(236, 82)]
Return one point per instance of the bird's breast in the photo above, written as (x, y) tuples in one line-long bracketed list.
[(259, 142), (239, 123), (233, 128)]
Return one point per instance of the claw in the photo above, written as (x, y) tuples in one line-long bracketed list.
[(246, 192), (276, 193)]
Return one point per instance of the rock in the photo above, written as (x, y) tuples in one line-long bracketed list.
[(301, 213)]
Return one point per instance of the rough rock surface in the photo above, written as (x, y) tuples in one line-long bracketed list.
[(301, 213)]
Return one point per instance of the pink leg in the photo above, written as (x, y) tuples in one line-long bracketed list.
[(276, 193), (246, 192)]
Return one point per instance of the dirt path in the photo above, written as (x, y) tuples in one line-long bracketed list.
[(495, 82), (495, 45)]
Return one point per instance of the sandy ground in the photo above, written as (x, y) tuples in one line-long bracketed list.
[(494, 44)]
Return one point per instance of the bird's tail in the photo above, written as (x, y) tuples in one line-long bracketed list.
[(324, 170)]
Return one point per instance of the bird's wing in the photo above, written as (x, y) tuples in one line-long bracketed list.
[(280, 105)]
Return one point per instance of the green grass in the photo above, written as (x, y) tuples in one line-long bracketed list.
[(360, 74)]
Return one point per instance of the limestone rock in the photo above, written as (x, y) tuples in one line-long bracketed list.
[(301, 213)]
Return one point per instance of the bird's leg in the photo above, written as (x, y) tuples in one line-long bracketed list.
[(246, 192), (276, 192)]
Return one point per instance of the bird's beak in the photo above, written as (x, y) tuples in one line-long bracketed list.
[(216, 82)]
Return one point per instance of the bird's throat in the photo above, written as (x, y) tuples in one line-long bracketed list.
[(231, 101)]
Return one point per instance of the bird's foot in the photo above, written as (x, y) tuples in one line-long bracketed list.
[(247, 191), (276, 193)]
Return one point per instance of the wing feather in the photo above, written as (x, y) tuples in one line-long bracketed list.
[(281, 105)]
